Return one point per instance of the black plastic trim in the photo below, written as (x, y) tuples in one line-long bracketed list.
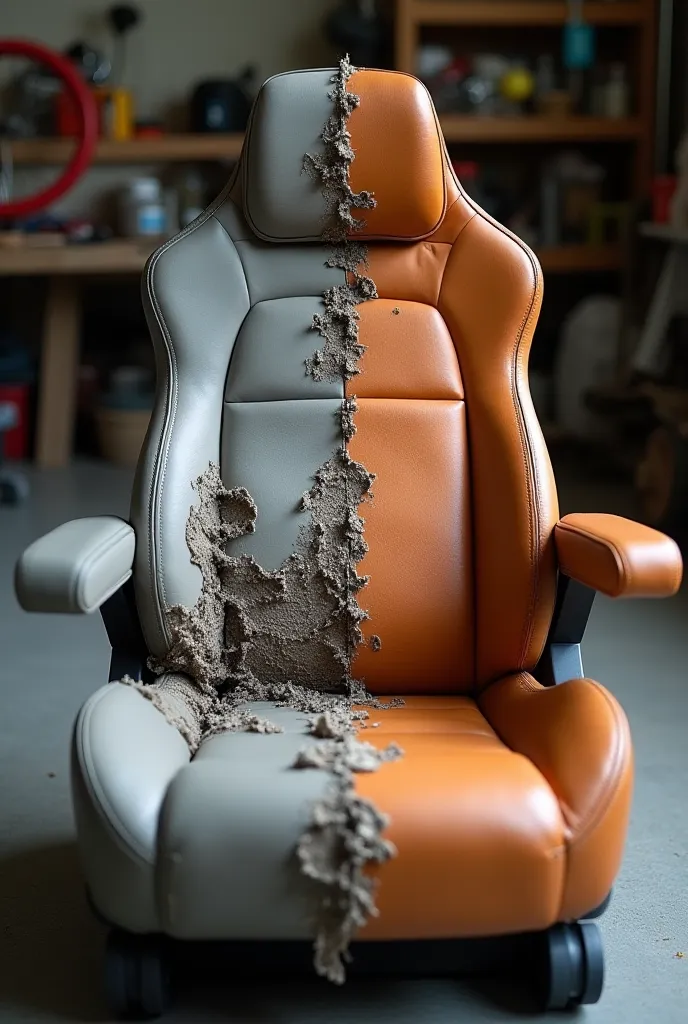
[(562, 660), (124, 632)]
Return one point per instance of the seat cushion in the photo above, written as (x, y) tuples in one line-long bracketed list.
[(478, 830), (501, 826)]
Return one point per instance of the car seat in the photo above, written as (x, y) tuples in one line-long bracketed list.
[(344, 489)]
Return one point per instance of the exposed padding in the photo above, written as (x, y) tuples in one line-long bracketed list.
[(396, 138), (409, 353), (418, 528), (395, 135), (124, 756), (618, 557), (77, 566), (577, 736), (490, 299), (479, 832)]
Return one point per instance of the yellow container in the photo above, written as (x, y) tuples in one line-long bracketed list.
[(116, 113)]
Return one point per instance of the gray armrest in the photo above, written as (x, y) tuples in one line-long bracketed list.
[(77, 566)]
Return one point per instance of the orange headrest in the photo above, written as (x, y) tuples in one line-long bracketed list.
[(399, 156)]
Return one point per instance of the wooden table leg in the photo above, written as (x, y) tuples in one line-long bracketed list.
[(58, 372)]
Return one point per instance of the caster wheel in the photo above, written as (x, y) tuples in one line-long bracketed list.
[(137, 982), (572, 966)]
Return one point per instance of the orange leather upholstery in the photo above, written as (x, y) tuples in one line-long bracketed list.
[(418, 530), (618, 557), (510, 807), (478, 829), (577, 736), (490, 298), (399, 156), (409, 353)]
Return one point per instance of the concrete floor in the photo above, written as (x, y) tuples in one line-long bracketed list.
[(50, 947)]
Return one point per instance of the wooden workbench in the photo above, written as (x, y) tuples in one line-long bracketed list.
[(65, 266)]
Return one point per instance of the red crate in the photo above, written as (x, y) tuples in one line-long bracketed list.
[(16, 440)]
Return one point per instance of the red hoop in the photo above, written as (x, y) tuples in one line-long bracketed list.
[(88, 126)]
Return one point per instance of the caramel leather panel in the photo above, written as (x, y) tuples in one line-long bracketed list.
[(459, 212), (420, 594), (490, 298), (577, 736), (618, 557), (478, 831), (409, 353), (395, 130), (412, 272)]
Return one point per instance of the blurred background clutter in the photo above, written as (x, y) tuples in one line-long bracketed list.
[(566, 120)]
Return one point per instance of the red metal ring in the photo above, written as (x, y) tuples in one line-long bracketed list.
[(88, 127)]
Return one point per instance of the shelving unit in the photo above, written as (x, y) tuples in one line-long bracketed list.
[(638, 17), (520, 12), (465, 128), (165, 149)]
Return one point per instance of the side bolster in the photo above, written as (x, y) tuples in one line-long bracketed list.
[(490, 299), (195, 297), (578, 737), (124, 757)]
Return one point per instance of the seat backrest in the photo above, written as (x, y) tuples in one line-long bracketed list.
[(459, 531)]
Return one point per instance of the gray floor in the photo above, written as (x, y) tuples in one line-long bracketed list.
[(50, 947)]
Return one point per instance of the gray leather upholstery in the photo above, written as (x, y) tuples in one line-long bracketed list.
[(200, 291), (124, 756), (259, 453), (282, 203), (273, 344), (77, 566), (237, 812), (195, 298), (204, 848)]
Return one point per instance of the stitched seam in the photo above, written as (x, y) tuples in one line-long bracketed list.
[(90, 560), (88, 609), (467, 417), (613, 786), (159, 467), (277, 239), (607, 546), (527, 454), (92, 782)]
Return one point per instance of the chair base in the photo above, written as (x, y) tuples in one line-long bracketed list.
[(564, 965)]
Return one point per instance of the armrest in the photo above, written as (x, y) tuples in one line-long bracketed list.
[(77, 566), (616, 556)]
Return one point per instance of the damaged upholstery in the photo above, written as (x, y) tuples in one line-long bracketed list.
[(346, 566)]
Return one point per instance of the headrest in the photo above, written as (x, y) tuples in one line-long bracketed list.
[(399, 156)]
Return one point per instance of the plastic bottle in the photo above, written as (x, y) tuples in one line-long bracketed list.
[(143, 208), (617, 98)]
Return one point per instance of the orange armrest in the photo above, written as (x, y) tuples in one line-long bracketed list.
[(616, 556)]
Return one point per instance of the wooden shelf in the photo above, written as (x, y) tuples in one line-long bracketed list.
[(167, 148), (522, 12), (564, 259), (129, 255), (467, 128), (664, 233), (120, 256)]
